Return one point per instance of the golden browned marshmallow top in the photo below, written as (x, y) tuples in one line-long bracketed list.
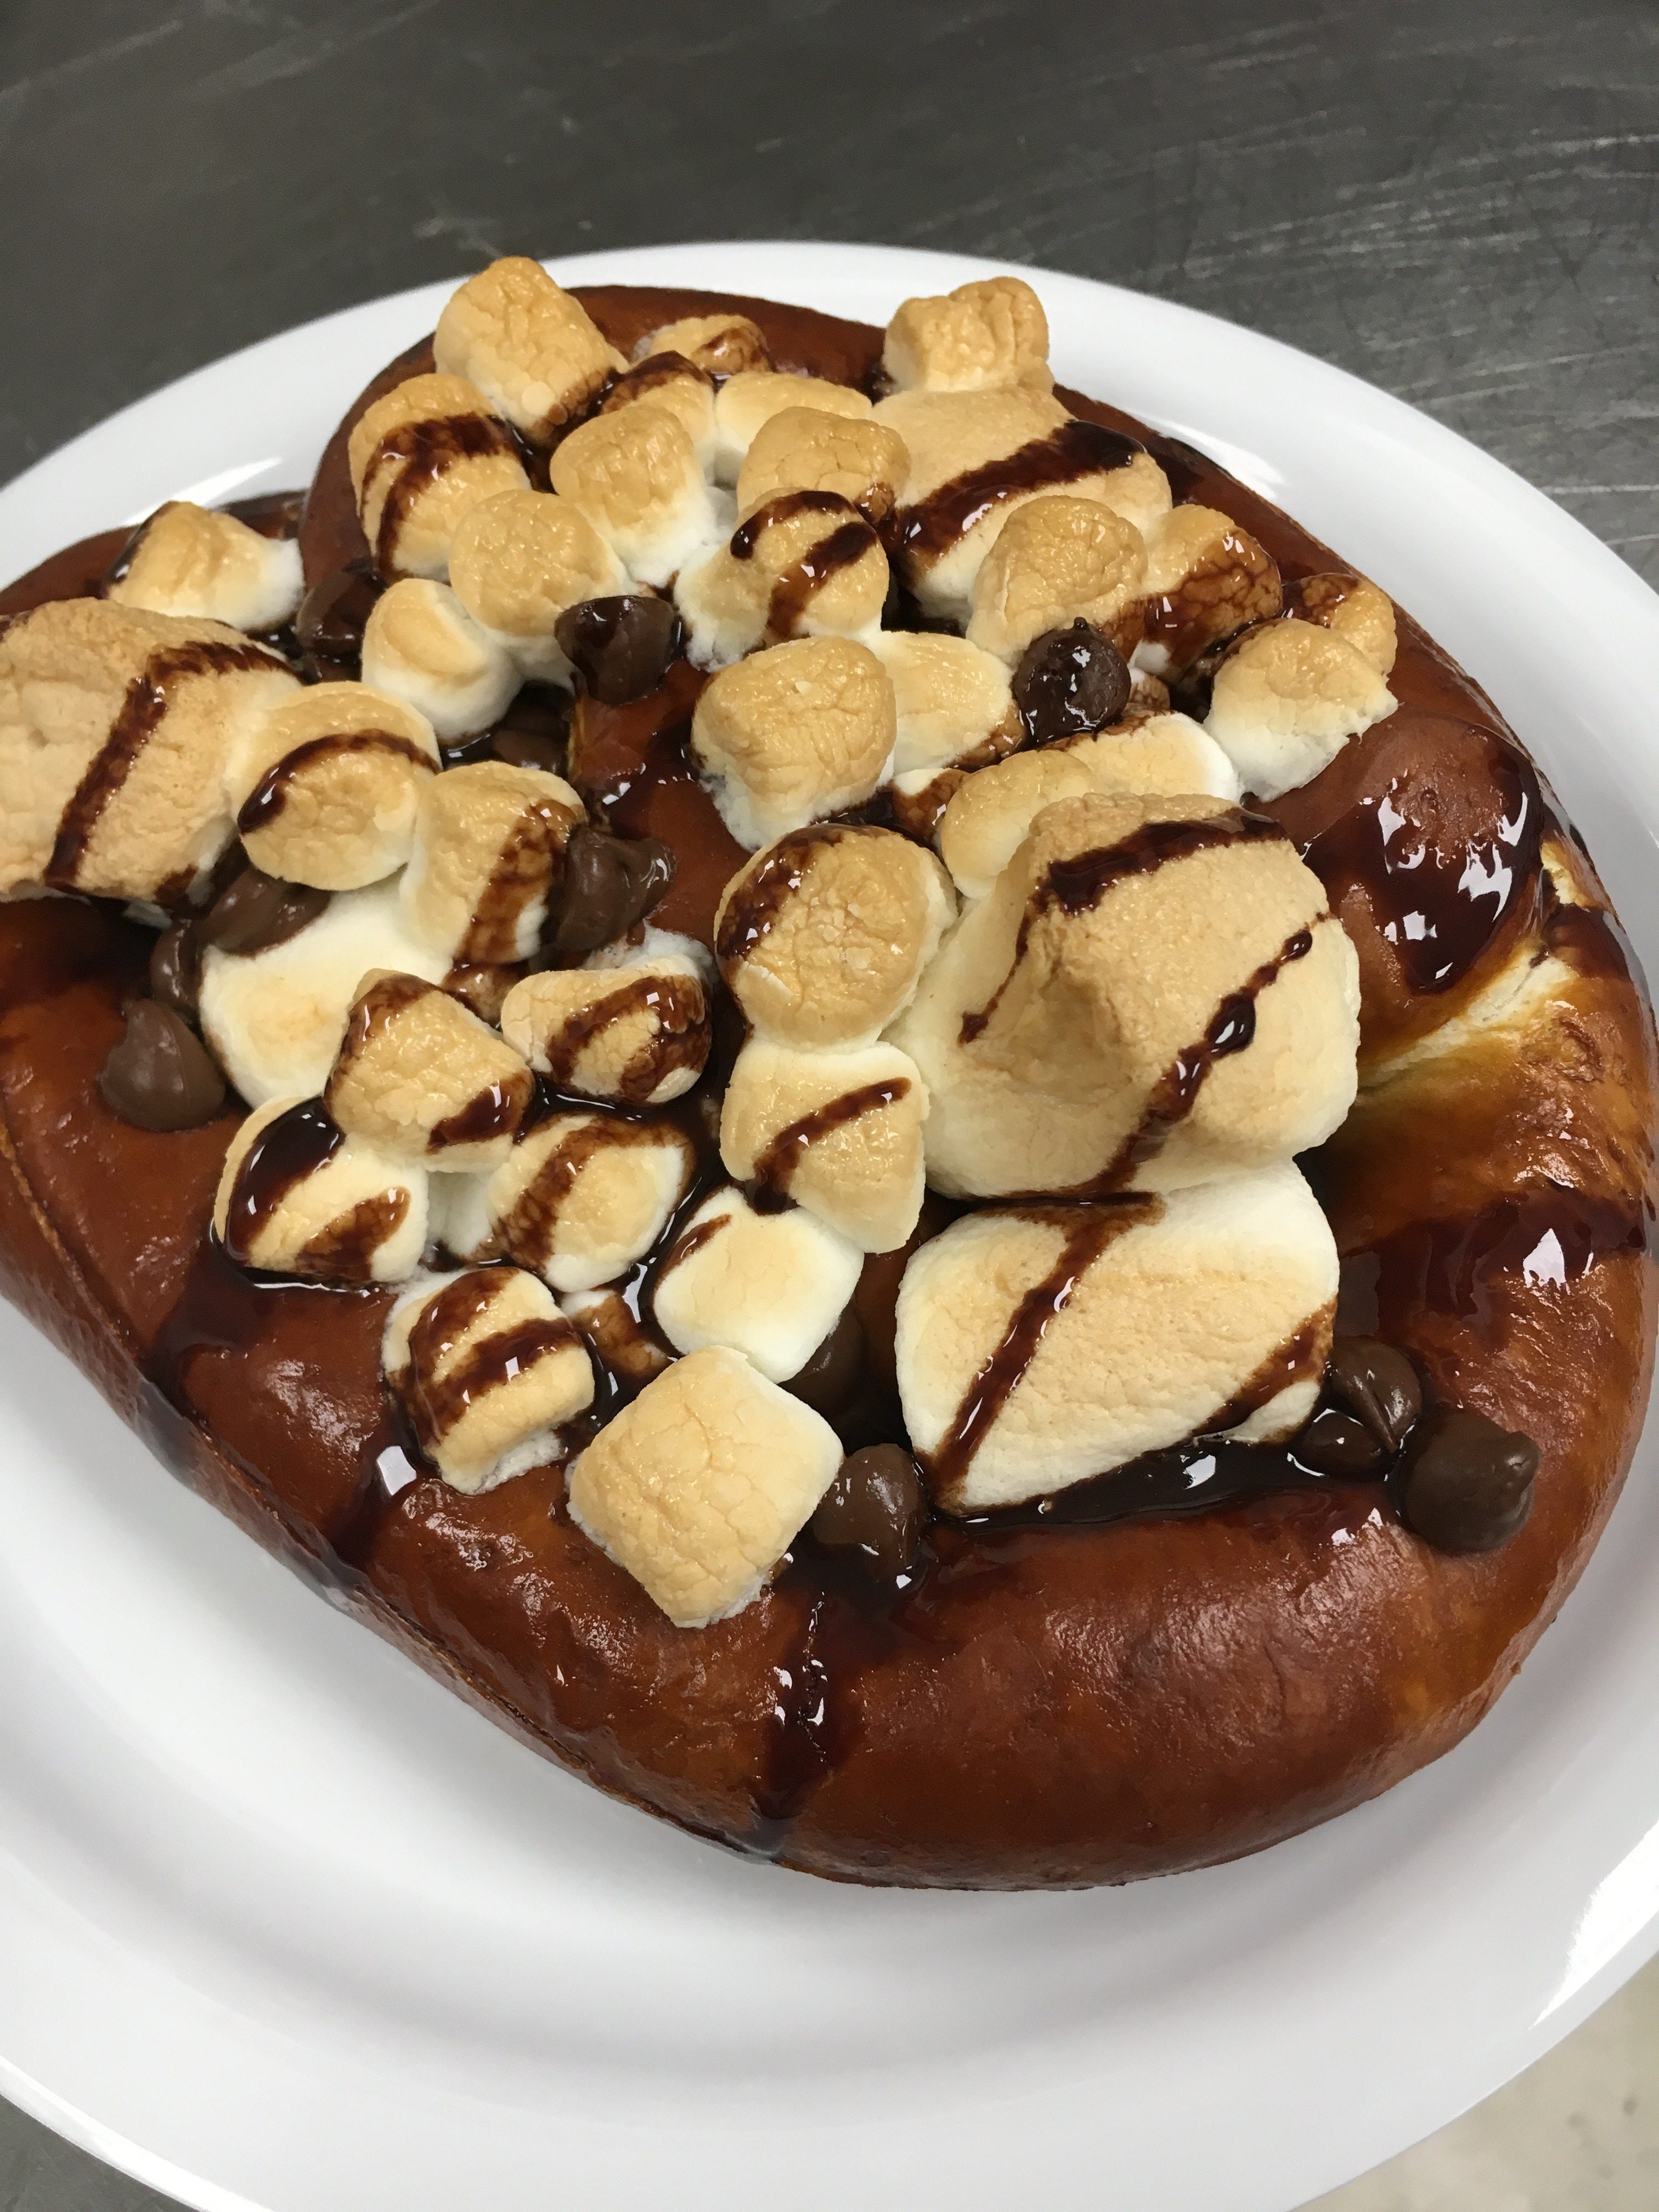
[(952, 701), (421, 645), (488, 839), (805, 449), (531, 348), (821, 938), (637, 1034), (1058, 559), (1287, 699), (699, 1486), (190, 560), (636, 474), (487, 1369), (298, 1196), (670, 381), (1152, 994), (517, 561), (580, 1197), (748, 400), (800, 730), (1356, 610), (722, 345), (421, 1078), (771, 1286), (115, 728), (1205, 579), (325, 787), (803, 564), (420, 456), (983, 335)]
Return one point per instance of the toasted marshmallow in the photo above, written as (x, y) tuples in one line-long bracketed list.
[(749, 400), (1287, 700), (1155, 754), (821, 938), (190, 560), (421, 1078), (1206, 577), (297, 1196), (806, 564), (793, 734), (805, 449), (422, 646), (637, 1035), (1355, 610), (489, 844), (769, 1286), (670, 380), (722, 345), (1152, 994), (951, 699), (324, 788), (616, 1334), (838, 1132), (529, 347), (581, 1198), (978, 338), (115, 727), (1205, 1312), (518, 561), (1056, 560), (487, 1369), (699, 1488), (636, 475), (420, 456)]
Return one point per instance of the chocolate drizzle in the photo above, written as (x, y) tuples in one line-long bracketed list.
[(774, 1169), (795, 589), (438, 1402), (766, 888), (524, 868), (426, 449), (286, 1151), (676, 1039), (269, 795), (1075, 450)]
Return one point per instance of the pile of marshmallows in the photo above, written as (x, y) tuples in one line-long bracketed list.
[(914, 1016)]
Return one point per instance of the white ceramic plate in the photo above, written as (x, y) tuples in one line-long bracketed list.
[(283, 1923)]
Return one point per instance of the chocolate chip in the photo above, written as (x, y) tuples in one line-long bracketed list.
[(608, 884), (873, 1507), (836, 1370), (258, 911), (533, 731), (334, 612), (621, 648), (161, 1075), (1069, 682), (1335, 1442), (1377, 1385), (176, 969), (1466, 1484)]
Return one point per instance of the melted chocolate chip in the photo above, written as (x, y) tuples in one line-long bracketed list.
[(259, 911), (161, 1075), (609, 883), (1466, 1484), (1375, 1384), (176, 969), (535, 730), (836, 1370), (1335, 1444), (334, 612), (621, 648), (1069, 682), (873, 1507)]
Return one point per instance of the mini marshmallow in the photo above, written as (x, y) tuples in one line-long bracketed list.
[(838, 1132), (422, 646), (349, 1215), (488, 841), (115, 727), (420, 1078), (769, 1286), (670, 380), (420, 456), (487, 1369), (806, 564), (749, 400), (581, 1198), (531, 348), (1152, 994), (324, 788), (1154, 754), (1287, 700), (1354, 610), (518, 561), (722, 345), (984, 335), (1207, 1311), (1054, 561), (790, 735), (805, 449), (1206, 577), (952, 699), (614, 1331), (636, 477), (821, 938), (190, 560), (698, 1488), (637, 1035), (275, 1018)]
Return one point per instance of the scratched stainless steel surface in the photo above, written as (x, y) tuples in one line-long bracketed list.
[(1455, 199)]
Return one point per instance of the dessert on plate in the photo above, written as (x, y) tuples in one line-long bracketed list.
[(836, 1075)]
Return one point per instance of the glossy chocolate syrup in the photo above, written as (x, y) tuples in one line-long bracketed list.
[(1075, 450), (752, 910), (796, 588), (422, 452), (524, 869), (775, 1168), (678, 1037), (443, 1381), (269, 795), (286, 1151)]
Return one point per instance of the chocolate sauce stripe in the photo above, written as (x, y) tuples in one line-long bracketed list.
[(677, 1002), (269, 795), (1074, 449), (775, 1167), (751, 913), (425, 449), (286, 1151)]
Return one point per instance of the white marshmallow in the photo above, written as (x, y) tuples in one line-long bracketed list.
[(769, 1286), (422, 646), (1287, 700)]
